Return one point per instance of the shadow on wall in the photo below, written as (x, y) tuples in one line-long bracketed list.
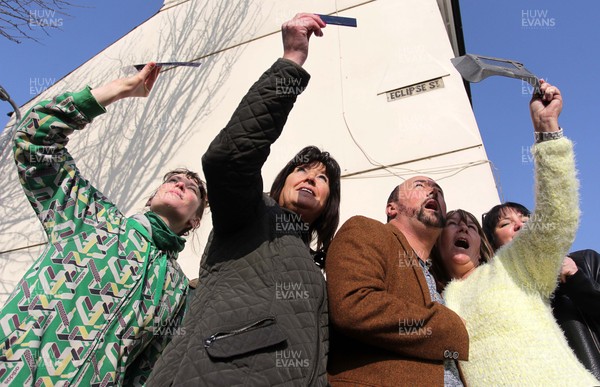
[(139, 139), (125, 151)]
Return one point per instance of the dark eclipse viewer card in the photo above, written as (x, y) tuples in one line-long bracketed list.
[(338, 20), (139, 67)]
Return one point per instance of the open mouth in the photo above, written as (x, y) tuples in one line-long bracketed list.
[(462, 243), (432, 205), (307, 190)]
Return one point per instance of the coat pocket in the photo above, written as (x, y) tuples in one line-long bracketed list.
[(251, 337)]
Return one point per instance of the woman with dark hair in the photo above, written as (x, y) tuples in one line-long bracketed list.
[(576, 302), (495, 222), (513, 338), (259, 317), (100, 295), (326, 223)]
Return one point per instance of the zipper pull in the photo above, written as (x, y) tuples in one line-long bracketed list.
[(208, 342)]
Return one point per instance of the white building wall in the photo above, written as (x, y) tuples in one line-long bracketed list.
[(345, 110)]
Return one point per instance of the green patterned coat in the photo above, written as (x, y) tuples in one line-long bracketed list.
[(102, 293)]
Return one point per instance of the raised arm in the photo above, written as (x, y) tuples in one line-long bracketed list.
[(233, 162), (535, 255), (47, 172)]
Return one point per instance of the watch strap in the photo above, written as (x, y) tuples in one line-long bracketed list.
[(547, 136)]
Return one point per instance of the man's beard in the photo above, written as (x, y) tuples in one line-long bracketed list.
[(430, 220)]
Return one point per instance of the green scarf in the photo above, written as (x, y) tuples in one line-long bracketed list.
[(163, 237)]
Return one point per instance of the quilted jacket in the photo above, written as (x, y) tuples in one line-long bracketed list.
[(259, 316), (102, 295)]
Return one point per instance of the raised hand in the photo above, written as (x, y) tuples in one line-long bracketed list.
[(545, 108), (138, 85), (296, 34)]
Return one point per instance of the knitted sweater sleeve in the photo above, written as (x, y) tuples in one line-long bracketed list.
[(534, 257)]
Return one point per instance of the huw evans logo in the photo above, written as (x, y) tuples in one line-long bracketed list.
[(290, 223), (537, 19), (413, 327), (290, 359), (44, 18), (288, 86), (47, 155), (39, 85), (539, 222), (290, 291), (168, 328)]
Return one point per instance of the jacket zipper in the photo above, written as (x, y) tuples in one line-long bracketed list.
[(222, 335)]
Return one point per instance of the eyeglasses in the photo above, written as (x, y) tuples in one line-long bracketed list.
[(483, 216), (319, 258)]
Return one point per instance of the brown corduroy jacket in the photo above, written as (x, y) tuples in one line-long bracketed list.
[(384, 328)]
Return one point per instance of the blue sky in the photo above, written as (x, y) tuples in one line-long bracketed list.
[(555, 40)]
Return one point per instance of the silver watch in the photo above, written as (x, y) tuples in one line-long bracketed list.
[(546, 136)]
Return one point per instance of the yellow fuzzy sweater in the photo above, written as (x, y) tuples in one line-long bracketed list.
[(513, 337)]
